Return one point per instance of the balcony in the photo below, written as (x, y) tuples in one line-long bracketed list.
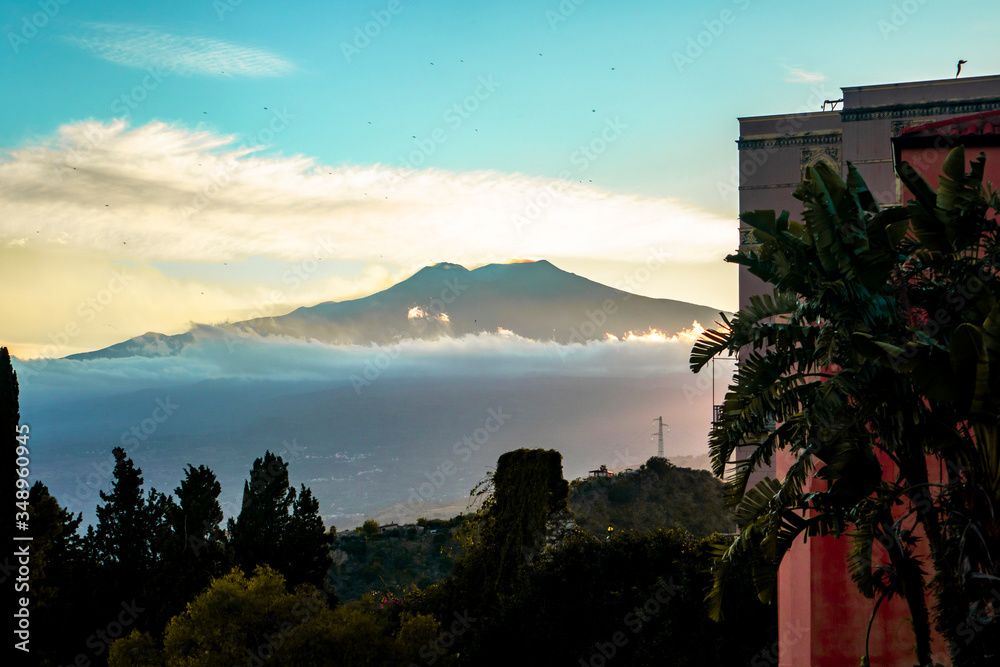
[(769, 423)]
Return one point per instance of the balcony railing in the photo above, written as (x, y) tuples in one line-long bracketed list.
[(769, 422), (716, 414)]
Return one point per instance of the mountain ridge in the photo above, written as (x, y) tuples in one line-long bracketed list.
[(535, 300)]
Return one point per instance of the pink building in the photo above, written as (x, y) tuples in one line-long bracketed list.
[(822, 618)]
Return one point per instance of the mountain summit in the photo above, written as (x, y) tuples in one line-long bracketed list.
[(535, 300)]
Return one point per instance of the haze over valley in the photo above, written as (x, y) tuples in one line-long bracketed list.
[(393, 404)]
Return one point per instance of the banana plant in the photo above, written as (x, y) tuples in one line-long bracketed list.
[(881, 339)]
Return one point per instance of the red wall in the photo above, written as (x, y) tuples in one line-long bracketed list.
[(928, 161), (822, 618)]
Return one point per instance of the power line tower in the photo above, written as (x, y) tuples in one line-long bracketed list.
[(659, 434)]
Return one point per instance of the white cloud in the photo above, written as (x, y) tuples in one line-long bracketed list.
[(161, 192), (146, 48), (796, 75), (292, 360)]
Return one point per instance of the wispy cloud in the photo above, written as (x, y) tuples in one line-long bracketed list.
[(165, 193), (140, 47), (796, 75)]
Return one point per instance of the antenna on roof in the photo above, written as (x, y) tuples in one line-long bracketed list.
[(959, 70), (833, 104)]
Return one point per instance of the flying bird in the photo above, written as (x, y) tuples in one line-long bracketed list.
[(959, 71)]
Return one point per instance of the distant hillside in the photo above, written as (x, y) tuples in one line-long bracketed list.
[(658, 495)]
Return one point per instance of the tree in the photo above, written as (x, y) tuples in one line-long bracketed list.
[(256, 534), (241, 621), (10, 419), (194, 549), (56, 544), (370, 527), (10, 414), (265, 533), (522, 498), (877, 360), (197, 515), (135, 650), (256, 620), (61, 579), (633, 599), (130, 528), (306, 542)]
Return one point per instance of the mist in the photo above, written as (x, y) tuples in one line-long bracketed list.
[(413, 425)]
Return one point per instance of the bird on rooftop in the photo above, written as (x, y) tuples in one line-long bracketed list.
[(959, 71)]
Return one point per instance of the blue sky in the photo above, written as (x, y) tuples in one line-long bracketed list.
[(616, 121)]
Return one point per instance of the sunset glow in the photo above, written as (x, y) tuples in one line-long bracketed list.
[(656, 336)]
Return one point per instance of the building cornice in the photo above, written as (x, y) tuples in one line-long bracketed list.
[(791, 140), (910, 109)]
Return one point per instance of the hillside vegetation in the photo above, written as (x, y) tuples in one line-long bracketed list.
[(397, 559), (657, 495)]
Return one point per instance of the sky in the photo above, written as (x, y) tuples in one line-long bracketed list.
[(199, 161)]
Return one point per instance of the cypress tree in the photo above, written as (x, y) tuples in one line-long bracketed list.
[(306, 542), (257, 532), (10, 414)]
